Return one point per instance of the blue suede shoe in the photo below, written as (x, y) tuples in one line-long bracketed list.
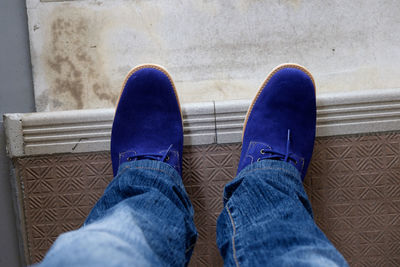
[(280, 123), (148, 120)]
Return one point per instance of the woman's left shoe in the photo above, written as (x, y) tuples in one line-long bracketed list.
[(148, 119)]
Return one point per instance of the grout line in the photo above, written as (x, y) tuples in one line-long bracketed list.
[(215, 123)]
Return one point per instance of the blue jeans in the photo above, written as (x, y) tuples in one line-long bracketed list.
[(145, 218)]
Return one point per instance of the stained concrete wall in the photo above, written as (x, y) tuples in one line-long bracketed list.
[(16, 95), (215, 50)]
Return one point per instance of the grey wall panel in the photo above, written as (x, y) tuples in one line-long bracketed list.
[(16, 95)]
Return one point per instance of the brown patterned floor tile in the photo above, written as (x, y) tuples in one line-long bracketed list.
[(353, 183)]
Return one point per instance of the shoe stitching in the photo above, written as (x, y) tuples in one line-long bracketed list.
[(175, 153), (252, 158), (122, 154), (250, 147), (233, 236)]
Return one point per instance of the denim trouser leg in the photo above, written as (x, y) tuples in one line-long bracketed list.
[(267, 220), (144, 218)]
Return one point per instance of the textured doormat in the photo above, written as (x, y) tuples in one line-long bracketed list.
[(353, 183)]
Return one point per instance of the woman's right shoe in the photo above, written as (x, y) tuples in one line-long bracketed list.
[(281, 121)]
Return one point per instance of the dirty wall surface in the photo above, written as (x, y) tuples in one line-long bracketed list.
[(214, 50)]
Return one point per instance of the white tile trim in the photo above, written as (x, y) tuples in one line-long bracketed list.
[(204, 123)]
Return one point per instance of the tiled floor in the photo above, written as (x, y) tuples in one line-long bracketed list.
[(353, 183)]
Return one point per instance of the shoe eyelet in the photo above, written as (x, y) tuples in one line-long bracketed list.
[(167, 158), (262, 151), (259, 159), (129, 159)]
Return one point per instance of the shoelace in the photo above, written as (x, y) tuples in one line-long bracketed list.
[(161, 157), (279, 156)]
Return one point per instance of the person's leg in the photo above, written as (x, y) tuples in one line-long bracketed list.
[(267, 217), (145, 217), (267, 220)]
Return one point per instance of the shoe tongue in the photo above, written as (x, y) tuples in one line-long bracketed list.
[(132, 155), (262, 151), (145, 156), (167, 155)]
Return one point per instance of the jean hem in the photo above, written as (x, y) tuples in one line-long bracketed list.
[(272, 165), (153, 165)]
